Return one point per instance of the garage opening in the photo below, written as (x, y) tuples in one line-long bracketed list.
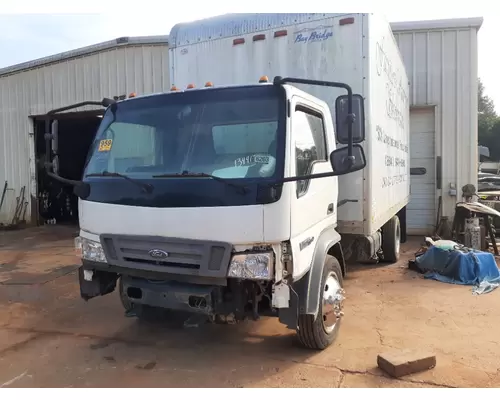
[(56, 202), (421, 211)]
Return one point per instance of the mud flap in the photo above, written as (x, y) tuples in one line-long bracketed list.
[(102, 283)]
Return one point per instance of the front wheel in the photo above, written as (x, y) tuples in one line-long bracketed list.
[(320, 332)]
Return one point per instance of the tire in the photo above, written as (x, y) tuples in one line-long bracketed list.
[(391, 240), (315, 332)]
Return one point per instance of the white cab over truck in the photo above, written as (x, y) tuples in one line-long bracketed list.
[(226, 201)]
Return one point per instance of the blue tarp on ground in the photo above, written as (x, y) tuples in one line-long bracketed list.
[(461, 267)]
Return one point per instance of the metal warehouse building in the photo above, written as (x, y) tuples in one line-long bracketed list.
[(441, 62), (29, 90)]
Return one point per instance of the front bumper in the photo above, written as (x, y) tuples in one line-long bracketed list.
[(199, 299)]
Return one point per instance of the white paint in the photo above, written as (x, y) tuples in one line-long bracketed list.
[(421, 211), (203, 51), (88, 275), (281, 296), (236, 225), (34, 88)]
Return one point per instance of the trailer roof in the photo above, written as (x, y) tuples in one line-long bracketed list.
[(229, 25), (438, 24), (83, 51)]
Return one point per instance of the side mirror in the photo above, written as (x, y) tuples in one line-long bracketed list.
[(343, 165), (82, 190), (341, 117)]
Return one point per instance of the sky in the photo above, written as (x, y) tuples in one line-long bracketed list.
[(33, 29)]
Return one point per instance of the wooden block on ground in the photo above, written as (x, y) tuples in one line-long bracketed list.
[(405, 362)]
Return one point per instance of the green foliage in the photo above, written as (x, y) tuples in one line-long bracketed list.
[(488, 123)]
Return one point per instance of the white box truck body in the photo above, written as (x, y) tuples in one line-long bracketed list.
[(358, 49)]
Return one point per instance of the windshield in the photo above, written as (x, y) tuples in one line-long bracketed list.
[(230, 133)]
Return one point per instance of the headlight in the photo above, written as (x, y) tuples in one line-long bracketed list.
[(90, 250), (255, 266)]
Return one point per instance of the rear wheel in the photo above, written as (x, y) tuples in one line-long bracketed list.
[(391, 240), (320, 332)]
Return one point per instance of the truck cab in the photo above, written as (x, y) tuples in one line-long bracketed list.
[(222, 202)]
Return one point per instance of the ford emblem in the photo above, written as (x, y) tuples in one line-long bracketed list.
[(155, 253)]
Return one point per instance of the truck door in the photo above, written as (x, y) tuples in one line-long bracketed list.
[(313, 204)]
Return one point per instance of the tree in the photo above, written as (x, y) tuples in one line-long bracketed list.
[(488, 123), (486, 106)]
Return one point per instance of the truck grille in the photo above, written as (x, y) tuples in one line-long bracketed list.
[(173, 255)]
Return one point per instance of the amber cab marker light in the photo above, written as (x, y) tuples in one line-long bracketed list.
[(132, 95), (190, 86), (264, 79), (209, 84), (174, 88), (346, 21)]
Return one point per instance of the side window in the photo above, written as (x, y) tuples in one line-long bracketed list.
[(310, 144)]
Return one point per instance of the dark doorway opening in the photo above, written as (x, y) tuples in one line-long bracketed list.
[(56, 203)]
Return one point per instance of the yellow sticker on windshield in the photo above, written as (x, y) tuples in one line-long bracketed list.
[(105, 145)]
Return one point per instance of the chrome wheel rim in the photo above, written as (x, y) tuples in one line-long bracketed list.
[(398, 238), (333, 302)]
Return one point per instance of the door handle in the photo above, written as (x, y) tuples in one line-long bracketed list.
[(329, 209)]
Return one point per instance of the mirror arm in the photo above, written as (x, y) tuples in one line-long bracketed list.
[(64, 180), (103, 103)]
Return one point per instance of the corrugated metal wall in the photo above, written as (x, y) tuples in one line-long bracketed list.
[(141, 69), (442, 68)]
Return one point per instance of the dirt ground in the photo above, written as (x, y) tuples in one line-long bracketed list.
[(50, 337)]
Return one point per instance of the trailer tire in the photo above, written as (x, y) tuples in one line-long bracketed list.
[(391, 240), (318, 332)]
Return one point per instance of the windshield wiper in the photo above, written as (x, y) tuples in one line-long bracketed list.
[(187, 174), (146, 187)]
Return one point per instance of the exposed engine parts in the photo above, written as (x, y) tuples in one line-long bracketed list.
[(243, 299)]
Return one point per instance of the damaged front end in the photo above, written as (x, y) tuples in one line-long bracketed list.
[(94, 278), (222, 284), (96, 283)]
